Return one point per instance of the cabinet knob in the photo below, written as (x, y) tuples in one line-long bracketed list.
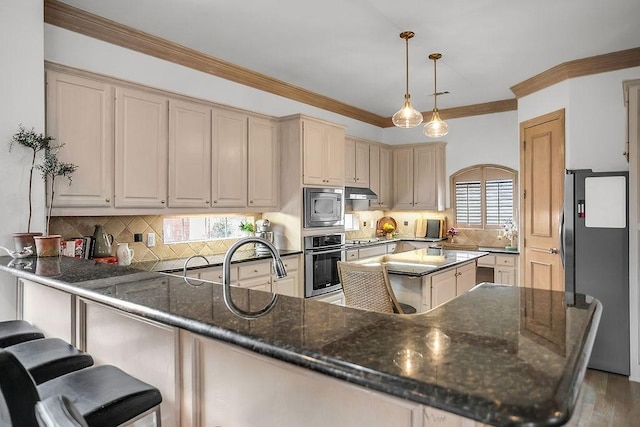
[(162, 201), (250, 201), (206, 203), (107, 200), (215, 201)]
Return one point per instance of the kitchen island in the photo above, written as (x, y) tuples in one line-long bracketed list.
[(491, 355)]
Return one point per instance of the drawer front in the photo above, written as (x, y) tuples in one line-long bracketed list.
[(506, 260), (258, 269), (352, 255), (215, 274), (487, 260), (291, 263), (373, 251)]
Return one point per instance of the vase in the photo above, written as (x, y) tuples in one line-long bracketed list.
[(23, 240), (124, 254), (48, 246), (102, 242)]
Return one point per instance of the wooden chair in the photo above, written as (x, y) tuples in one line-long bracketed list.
[(367, 287)]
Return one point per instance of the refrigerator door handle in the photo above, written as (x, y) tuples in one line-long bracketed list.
[(561, 234)]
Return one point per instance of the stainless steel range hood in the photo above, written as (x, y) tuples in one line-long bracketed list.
[(357, 193)]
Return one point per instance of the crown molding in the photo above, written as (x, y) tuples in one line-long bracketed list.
[(580, 67)]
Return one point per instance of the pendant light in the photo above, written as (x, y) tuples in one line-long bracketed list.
[(407, 116), (436, 127)]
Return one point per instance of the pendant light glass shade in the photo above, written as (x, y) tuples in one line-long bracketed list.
[(407, 116), (436, 128)]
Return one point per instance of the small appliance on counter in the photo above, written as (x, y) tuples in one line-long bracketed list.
[(263, 229)]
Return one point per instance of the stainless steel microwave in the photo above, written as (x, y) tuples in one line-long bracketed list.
[(323, 207)]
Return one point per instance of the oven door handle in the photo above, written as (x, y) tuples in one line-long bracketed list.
[(321, 252)]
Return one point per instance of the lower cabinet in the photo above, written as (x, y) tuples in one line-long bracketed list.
[(257, 275), (440, 287), (336, 298), (502, 269)]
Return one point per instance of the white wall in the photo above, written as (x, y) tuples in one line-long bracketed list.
[(22, 89)]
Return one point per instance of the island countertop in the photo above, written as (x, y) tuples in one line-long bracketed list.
[(421, 262), (484, 355)]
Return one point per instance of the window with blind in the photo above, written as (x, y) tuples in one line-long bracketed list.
[(483, 196)]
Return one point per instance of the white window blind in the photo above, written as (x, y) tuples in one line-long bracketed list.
[(499, 201), (469, 202)]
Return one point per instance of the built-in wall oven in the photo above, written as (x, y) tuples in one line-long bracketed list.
[(321, 256)]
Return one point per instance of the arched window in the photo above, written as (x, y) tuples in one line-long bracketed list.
[(484, 196)]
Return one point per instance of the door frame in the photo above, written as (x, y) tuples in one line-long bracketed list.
[(554, 115)]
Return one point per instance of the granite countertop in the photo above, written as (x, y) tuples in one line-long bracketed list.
[(177, 265), (483, 355), (421, 262)]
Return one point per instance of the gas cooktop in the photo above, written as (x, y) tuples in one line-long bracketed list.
[(356, 242)]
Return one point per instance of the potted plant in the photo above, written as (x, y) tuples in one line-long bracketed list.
[(510, 231), (247, 228), (50, 169), (452, 232), (36, 142)]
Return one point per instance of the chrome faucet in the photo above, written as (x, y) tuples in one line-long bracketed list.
[(278, 268)]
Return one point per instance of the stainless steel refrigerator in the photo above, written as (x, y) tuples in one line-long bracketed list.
[(595, 243)]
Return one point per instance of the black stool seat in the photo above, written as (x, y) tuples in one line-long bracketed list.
[(49, 358), (103, 395), (17, 331), (407, 309), (57, 411)]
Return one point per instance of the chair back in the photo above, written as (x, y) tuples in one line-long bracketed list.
[(18, 393), (367, 287)]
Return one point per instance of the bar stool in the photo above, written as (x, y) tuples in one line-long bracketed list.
[(58, 411), (48, 358), (17, 331), (103, 395)]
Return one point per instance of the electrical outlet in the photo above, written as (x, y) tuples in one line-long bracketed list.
[(151, 239), (371, 224), (406, 223), (364, 223)]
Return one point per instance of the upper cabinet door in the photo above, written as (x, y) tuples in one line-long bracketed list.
[(385, 195), (189, 154), (349, 162), (403, 179), (333, 159), (263, 168), (362, 164), (229, 159), (80, 116), (313, 149), (424, 178), (141, 149)]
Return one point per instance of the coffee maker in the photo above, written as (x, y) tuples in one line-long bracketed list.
[(263, 229)]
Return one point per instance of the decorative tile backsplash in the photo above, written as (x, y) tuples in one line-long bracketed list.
[(122, 228), (466, 236)]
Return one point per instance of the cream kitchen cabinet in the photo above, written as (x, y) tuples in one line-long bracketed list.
[(289, 285), (380, 176), (229, 159), (245, 158), (141, 146), (356, 160), (323, 153), (263, 160), (440, 287), (419, 177), (504, 266), (80, 115), (189, 154)]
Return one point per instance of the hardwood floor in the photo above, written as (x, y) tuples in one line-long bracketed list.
[(607, 400)]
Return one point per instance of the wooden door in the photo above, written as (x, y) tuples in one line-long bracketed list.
[(466, 278), (189, 154), (263, 168), (403, 178), (362, 164), (542, 165), (350, 162), (425, 180), (443, 287), (80, 116), (385, 196), (229, 160), (141, 149), (333, 162), (313, 153)]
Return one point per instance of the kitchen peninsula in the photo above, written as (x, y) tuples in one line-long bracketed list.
[(487, 355)]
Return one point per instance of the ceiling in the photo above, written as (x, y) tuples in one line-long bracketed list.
[(350, 50)]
